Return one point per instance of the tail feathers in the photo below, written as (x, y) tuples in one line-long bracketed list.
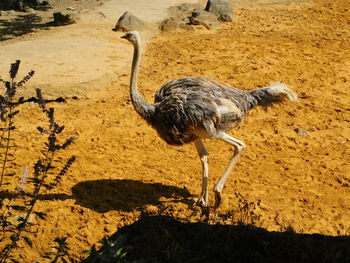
[(276, 92)]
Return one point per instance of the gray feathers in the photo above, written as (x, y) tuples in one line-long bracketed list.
[(188, 108), (277, 92), (184, 106)]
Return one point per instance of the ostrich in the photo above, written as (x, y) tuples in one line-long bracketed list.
[(192, 109)]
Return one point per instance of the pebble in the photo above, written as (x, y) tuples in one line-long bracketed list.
[(302, 132)]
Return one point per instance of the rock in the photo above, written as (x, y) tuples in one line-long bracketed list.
[(64, 18), (204, 18), (225, 18), (11, 12), (29, 10), (129, 22), (221, 8), (182, 12), (33, 3), (171, 24), (70, 8), (302, 132)]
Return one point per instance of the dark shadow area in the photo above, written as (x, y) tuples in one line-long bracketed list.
[(24, 5), (106, 195), (21, 25), (160, 239)]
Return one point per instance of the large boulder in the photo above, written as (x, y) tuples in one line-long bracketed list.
[(221, 8), (129, 22)]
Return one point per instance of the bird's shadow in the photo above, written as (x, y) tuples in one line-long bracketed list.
[(126, 195)]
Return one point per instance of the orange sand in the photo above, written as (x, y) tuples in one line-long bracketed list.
[(123, 168)]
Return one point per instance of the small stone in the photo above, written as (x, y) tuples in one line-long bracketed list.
[(11, 12), (29, 10), (225, 18), (70, 8), (302, 132), (64, 18)]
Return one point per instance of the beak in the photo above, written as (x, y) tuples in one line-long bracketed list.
[(124, 36)]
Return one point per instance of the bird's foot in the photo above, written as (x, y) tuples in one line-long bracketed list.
[(202, 201), (218, 200)]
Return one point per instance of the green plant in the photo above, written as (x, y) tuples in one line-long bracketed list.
[(8, 111), (111, 251), (119, 255), (59, 251), (15, 219)]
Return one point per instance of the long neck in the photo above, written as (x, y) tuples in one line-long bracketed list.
[(144, 109)]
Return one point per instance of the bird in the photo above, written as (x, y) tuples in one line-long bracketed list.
[(193, 109)]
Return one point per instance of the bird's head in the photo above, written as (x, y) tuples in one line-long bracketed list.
[(132, 36)]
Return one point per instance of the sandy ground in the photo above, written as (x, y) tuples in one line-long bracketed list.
[(77, 59), (123, 168)]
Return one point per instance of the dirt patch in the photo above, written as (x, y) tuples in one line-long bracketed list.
[(15, 24), (79, 59), (124, 169)]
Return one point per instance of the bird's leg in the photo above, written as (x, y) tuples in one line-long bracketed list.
[(203, 155), (238, 147)]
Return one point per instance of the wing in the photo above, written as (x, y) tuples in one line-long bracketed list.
[(197, 107)]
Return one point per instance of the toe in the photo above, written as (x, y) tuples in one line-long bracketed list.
[(200, 202), (218, 200)]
